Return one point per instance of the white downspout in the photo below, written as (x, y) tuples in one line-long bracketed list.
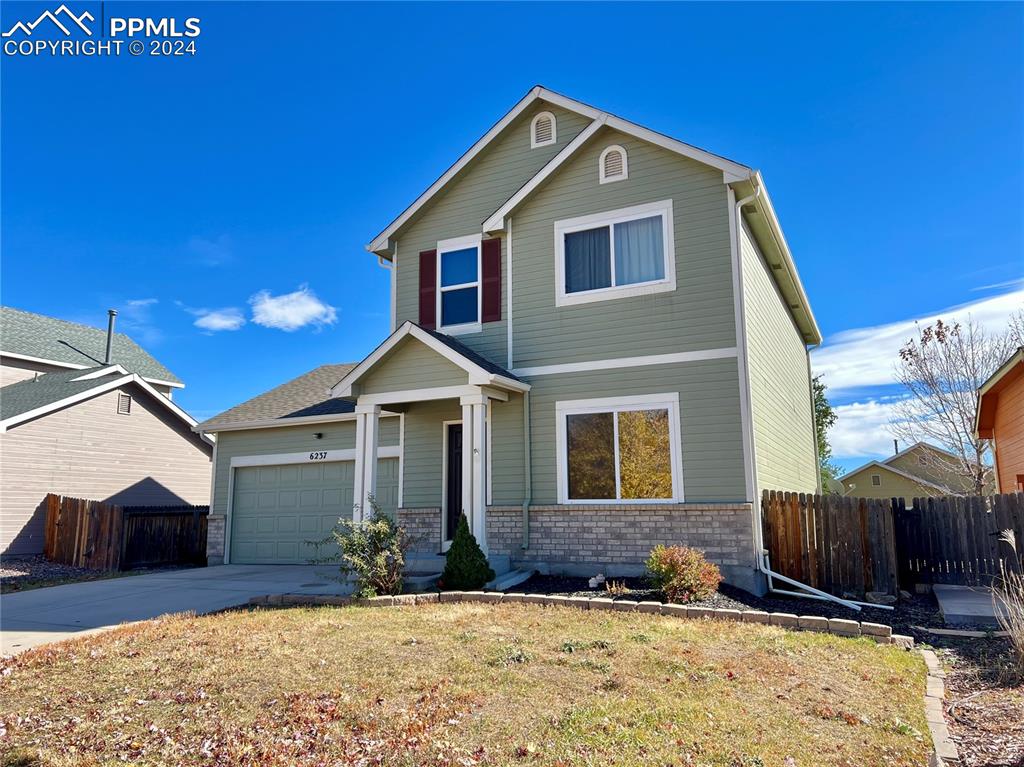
[(391, 266), (508, 292)]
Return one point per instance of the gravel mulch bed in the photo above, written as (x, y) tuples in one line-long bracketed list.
[(35, 572), (984, 691)]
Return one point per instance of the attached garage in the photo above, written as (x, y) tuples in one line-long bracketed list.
[(277, 509)]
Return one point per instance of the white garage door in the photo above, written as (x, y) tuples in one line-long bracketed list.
[(277, 509)]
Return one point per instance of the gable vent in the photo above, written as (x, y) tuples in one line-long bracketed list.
[(613, 164), (124, 404), (542, 130)]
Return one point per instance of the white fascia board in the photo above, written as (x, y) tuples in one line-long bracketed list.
[(76, 366), (344, 387), (94, 392), (764, 201), (732, 171), (277, 423), (106, 371), (496, 221), (380, 244)]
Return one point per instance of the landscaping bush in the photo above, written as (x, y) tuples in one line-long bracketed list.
[(465, 566), (372, 550), (682, 573)]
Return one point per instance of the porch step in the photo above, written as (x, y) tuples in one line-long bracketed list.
[(414, 583), (509, 579), (501, 564), (424, 563)]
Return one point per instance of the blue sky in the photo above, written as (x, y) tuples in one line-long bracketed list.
[(246, 179)]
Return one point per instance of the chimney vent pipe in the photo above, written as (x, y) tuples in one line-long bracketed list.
[(111, 315)]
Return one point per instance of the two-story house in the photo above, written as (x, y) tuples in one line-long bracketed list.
[(88, 413), (599, 343)]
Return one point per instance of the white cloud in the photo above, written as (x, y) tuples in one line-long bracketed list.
[(861, 430), (219, 319), (866, 356), (135, 317), (291, 311)]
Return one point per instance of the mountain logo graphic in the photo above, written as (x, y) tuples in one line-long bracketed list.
[(55, 16)]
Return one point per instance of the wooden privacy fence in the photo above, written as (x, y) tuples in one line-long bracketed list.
[(854, 545), (955, 539), (833, 543), (103, 536)]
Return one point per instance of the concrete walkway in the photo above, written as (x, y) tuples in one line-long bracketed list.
[(966, 605), (32, 618)]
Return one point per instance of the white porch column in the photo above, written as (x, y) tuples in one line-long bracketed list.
[(474, 453), (364, 480)]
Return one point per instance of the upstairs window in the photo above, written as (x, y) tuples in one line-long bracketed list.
[(615, 254), (876, 480), (458, 275), (613, 165), (543, 130)]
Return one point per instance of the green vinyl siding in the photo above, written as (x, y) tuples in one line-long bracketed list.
[(507, 451), (424, 450), (784, 440), (340, 435), (458, 210), (697, 315), (709, 412), (412, 365)]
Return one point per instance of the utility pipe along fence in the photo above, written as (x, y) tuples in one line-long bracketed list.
[(844, 545), (104, 536)]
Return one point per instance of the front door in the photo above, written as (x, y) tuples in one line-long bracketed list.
[(453, 484)]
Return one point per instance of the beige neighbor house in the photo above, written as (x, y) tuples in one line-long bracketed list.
[(919, 471), (75, 422), (599, 344)]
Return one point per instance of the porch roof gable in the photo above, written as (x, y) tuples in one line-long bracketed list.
[(479, 370)]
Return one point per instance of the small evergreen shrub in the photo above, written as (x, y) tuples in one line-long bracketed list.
[(466, 567), (373, 550), (682, 573)]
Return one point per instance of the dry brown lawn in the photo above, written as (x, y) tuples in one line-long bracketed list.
[(461, 684)]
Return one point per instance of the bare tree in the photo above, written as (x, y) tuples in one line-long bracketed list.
[(942, 369)]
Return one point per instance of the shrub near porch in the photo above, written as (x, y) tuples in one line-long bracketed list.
[(463, 684)]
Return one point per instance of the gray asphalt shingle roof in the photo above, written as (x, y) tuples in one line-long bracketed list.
[(469, 354), (36, 335), (306, 395), (23, 396)]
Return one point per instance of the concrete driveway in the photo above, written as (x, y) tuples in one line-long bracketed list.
[(32, 618)]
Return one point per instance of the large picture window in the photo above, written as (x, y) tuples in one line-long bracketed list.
[(619, 450), (458, 276), (616, 254)]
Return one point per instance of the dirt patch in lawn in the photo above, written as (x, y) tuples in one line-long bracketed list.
[(462, 684)]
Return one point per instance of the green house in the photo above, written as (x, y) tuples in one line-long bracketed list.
[(599, 344)]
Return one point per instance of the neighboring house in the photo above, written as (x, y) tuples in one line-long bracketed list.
[(919, 471), (1001, 421), (75, 424), (615, 358)]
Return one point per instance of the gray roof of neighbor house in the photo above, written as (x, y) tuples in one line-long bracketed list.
[(23, 396), (70, 343), (306, 395)]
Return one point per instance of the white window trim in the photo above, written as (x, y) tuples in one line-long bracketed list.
[(668, 401), (461, 243), (625, 165), (609, 219), (879, 478), (534, 144)]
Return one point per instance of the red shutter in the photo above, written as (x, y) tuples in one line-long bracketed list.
[(491, 283), (428, 289)]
